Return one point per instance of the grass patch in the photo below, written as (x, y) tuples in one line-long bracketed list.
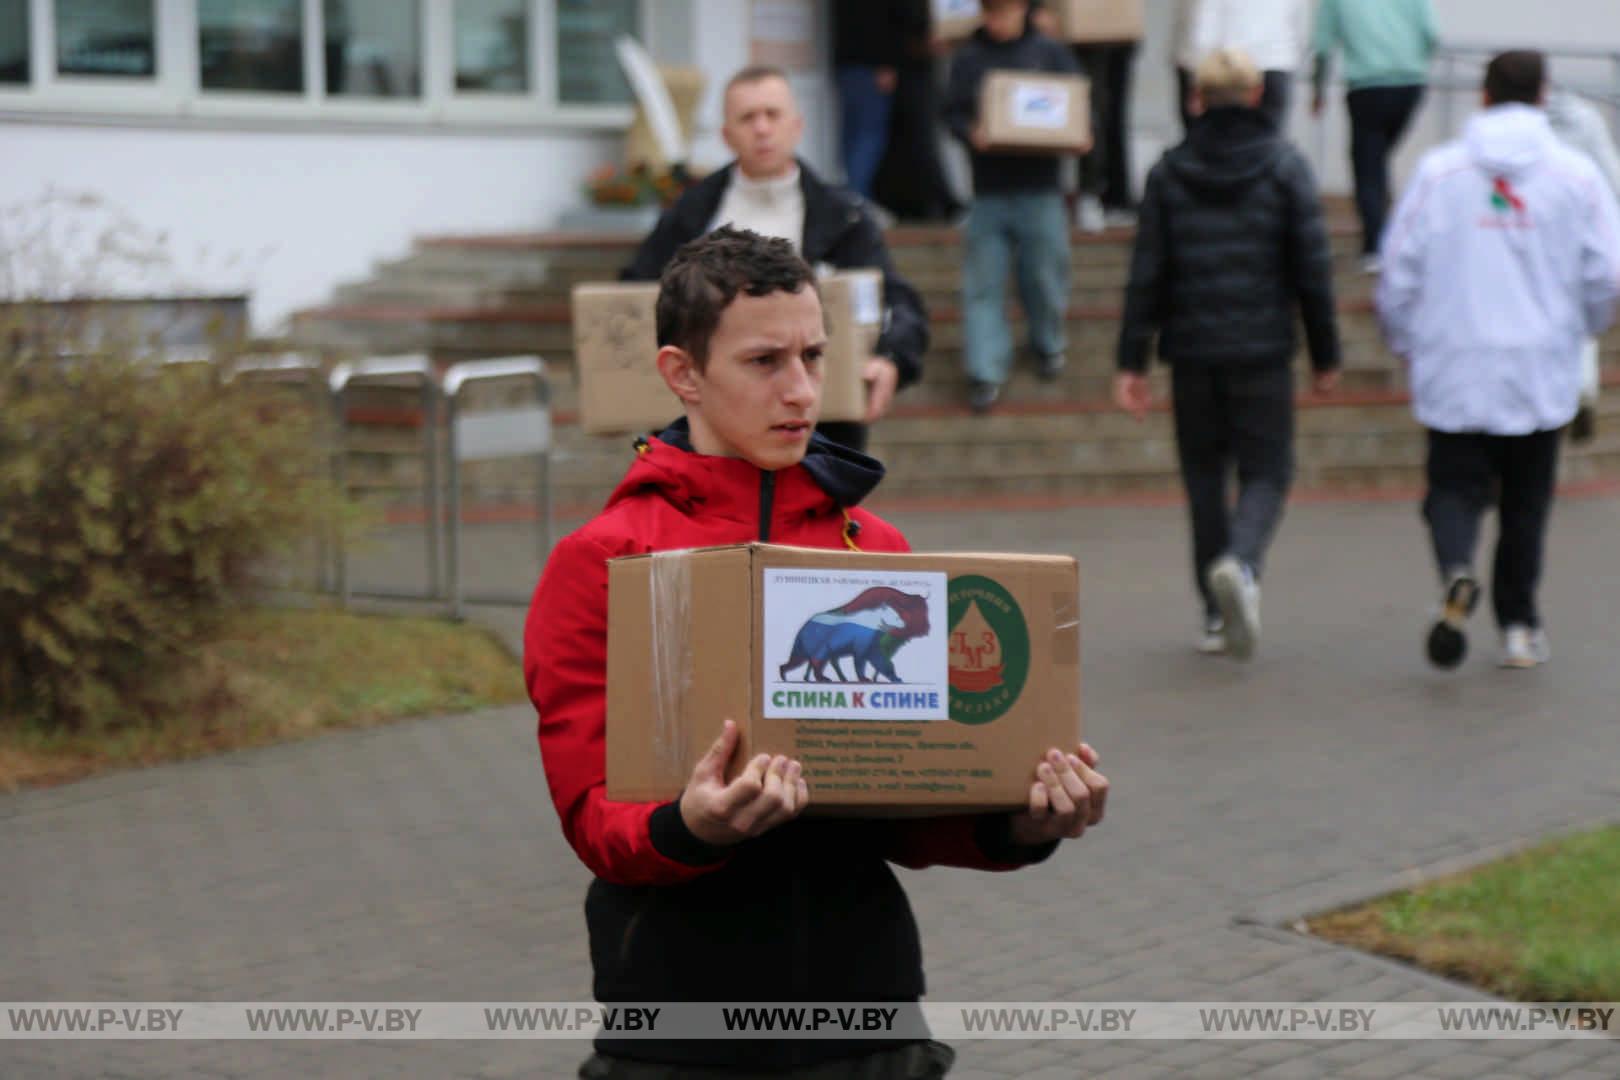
[(268, 676), (1542, 925)]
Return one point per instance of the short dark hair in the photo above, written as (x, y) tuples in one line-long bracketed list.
[(707, 274), (752, 74), (1516, 77)]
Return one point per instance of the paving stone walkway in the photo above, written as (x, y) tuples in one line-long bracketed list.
[(423, 861)]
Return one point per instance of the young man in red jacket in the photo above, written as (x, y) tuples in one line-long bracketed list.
[(725, 894)]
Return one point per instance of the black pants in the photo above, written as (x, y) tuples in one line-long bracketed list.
[(1273, 102), (1517, 473), (1226, 416), (1379, 117), (1106, 171), (918, 1061)]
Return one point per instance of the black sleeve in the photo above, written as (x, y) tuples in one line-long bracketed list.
[(1145, 294), (961, 108), (673, 840), (993, 835), (905, 336), (1310, 256), (657, 249)]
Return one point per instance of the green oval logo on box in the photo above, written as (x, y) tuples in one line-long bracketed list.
[(989, 650)]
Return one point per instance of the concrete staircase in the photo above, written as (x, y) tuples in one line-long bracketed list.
[(466, 297)]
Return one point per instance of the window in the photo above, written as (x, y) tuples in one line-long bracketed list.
[(373, 48), (113, 38), (587, 69), (14, 41), (251, 45), (492, 45)]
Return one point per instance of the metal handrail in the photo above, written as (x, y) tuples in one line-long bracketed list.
[(456, 378), (418, 367)]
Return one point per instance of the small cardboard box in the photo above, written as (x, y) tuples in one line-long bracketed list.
[(1032, 112), (1100, 21), (957, 19), (616, 346), (903, 683)]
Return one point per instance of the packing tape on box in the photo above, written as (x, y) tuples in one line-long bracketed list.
[(1066, 629), (671, 586)]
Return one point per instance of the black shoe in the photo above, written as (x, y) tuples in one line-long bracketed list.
[(982, 396), (1448, 643), (1050, 367)]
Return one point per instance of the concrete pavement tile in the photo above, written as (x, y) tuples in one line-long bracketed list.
[(1388, 1065), (1300, 1068), (1463, 1064)]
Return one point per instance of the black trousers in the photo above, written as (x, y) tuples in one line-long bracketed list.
[(1240, 416), (918, 1061), (1106, 171), (1379, 116), (1468, 473)]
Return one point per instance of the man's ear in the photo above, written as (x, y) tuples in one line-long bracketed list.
[(680, 374)]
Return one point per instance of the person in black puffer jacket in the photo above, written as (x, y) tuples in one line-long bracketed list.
[(1231, 239)]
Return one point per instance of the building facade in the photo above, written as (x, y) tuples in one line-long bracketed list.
[(279, 147)]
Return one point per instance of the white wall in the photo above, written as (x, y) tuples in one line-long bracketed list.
[(298, 212)]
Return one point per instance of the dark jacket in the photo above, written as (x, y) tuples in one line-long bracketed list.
[(1230, 239), (837, 231), (809, 911), (1003, 173)]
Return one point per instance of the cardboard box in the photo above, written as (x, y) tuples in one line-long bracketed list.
[(1100, 21), (957, 19), (1030, 112), (903, 683), (616, 346)]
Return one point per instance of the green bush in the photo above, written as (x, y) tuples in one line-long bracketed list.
[(135, 504)]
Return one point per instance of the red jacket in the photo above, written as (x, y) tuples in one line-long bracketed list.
[(846, 920)]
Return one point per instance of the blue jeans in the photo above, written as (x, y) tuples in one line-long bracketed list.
[(1027, 232), (864, 125)]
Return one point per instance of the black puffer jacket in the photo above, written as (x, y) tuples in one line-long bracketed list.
[(1231, 238), (838, 231)]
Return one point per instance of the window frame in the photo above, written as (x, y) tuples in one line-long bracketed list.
[(174, 95)]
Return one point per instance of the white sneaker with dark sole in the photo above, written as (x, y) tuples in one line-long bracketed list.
[(1238, 596), (1524, 647)]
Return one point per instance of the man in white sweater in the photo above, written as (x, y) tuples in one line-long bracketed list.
[(1272, 33), (1504, 254)]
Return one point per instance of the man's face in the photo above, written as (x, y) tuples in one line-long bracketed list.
[(760, 393), (762, 127)]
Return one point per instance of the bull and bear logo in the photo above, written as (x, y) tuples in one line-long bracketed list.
[(988, 647)]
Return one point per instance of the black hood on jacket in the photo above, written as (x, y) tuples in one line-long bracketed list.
[(1227, 151), (847, 475)]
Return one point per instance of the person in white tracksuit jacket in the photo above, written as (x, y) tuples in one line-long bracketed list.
[(1503, 256), (1578, 122)]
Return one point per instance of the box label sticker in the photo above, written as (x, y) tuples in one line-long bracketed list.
[(989, 650), (1040, 106), (855, 645), (866, 300)]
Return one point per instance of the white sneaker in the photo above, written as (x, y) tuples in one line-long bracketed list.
[(1238, 594), (1524, 647), (1212, 638), (1089, 214)]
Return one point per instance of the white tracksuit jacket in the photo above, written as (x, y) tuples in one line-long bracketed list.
[(1502, 257)]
